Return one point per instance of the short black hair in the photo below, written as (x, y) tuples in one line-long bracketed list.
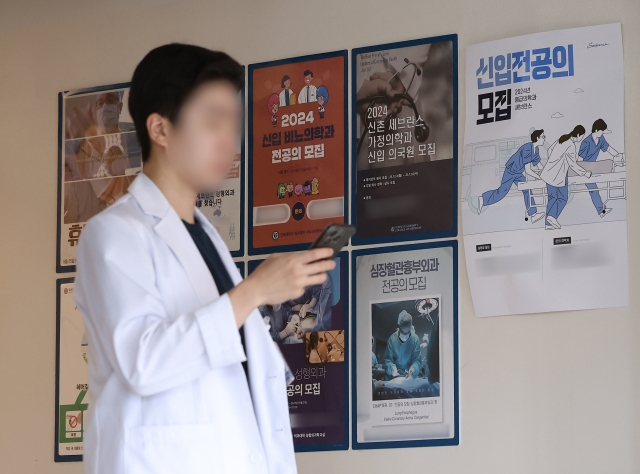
[(536, 134), (307, 73), (599, 125), (168, 75)]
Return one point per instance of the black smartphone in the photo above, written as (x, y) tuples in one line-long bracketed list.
[(334, 236)]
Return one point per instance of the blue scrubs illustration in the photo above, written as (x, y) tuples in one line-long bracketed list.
[(590, 148), (562, 157), (514, 173), (403, 356)]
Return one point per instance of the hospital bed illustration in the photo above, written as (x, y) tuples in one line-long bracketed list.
[(610, 177)]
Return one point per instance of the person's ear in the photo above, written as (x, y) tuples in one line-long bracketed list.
[(158, 128)]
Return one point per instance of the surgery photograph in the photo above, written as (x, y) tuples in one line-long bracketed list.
[(326, 346), (405, 355), (289, 321)]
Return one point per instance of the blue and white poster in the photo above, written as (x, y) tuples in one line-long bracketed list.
[(544, 206)]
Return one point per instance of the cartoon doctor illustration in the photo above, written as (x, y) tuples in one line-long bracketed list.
[(184, 376), (308, 92), (590, 148), (525, 160), (287, 96), (562, 156)]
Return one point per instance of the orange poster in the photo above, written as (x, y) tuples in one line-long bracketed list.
[(297, 150)]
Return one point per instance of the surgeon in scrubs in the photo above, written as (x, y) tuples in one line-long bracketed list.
[(403, 356), (590, 148), (184, 376)]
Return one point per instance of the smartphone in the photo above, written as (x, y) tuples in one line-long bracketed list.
[(334, 236)]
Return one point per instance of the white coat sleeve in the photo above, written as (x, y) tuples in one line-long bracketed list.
[(571, 161), (116, 293)]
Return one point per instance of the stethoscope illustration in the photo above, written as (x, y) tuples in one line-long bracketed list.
[(421, 131)]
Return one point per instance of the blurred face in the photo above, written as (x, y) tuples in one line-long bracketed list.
[(308, 78), (203, 142), (540, 140), (321, 100), (578, 138), (287, 84), (597, 134)]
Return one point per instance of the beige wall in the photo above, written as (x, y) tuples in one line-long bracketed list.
[(552, 393)]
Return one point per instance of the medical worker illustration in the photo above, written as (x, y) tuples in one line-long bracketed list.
[(272, 106), (322, 97), (524, 161), (589, 151), (562, 156), (308, 92), (287, 96), (403, 356)]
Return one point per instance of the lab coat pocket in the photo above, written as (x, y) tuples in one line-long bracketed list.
[(173, 449)]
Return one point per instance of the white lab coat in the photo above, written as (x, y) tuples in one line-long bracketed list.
[(168, 392), (307, 94), (562, 156)]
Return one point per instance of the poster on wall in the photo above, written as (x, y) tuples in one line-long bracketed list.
[(224, 207), (405, 129), (297, 150), (71, 375), (544, 201), (98, 158), (405, 333), (311, 333)]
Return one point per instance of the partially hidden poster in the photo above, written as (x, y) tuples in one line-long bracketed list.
[(297, 150), (311, 333), (72, 383)]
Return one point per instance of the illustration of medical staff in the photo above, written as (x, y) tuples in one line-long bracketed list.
[(282, 190), (314, 186), (308, 92), (562, 156), (522, 161), (322, 97), (290, 188), (589, 150), (287, 96), (402, 356), (272, 106)]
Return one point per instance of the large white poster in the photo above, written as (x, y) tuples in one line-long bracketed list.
[(544, 207)]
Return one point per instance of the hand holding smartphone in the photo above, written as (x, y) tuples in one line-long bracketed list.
[(334, 236)]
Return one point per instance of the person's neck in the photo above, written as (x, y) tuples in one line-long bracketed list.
[(180, 194)]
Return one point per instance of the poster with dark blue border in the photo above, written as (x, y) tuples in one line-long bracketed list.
[(404, 324), (71, 398), (99, 157), (405, 140), (298, 144), (311, 332)]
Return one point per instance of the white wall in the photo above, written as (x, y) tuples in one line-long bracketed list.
[(552, 393)]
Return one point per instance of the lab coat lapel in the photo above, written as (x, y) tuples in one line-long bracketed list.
[(171, 229)]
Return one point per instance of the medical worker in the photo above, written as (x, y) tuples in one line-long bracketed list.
[(183, 374), (403, 356), (590, 148), (562, 156), (527, 156), (308, 92)]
